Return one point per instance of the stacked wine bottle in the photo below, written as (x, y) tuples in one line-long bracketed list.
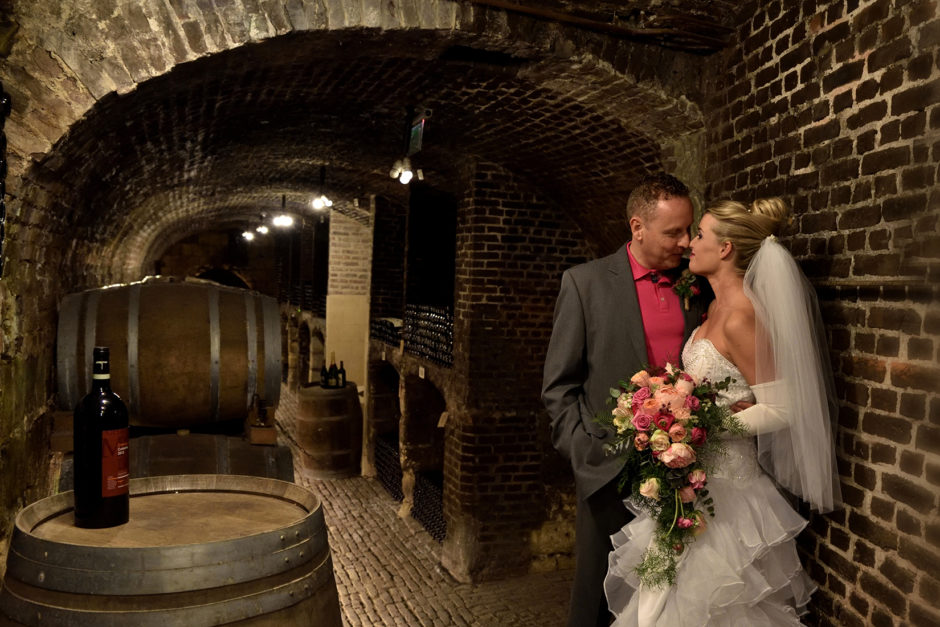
[(428, 333), (386, 330)]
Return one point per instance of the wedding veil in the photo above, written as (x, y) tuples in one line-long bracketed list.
[(791, 350)]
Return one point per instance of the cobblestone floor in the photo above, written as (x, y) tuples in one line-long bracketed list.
[(388, 569)]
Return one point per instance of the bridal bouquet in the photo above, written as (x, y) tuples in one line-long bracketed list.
[(665, 423)]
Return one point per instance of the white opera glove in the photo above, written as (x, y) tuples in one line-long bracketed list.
[(770, 413)]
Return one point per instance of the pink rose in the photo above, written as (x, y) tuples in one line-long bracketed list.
[(685, 387), (678, 455), (650, 488), (682, 415), (677, 432), (668, 396), (684, 523), (659, 441), (641, 441), (638, 397), (686, 494), (641, 379), (699, 436), (641, 422), (692, 403), (697, 479)]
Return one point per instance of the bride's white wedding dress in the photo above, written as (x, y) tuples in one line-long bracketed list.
[(744, 569)]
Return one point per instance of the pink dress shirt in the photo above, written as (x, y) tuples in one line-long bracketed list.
[(661, 308)]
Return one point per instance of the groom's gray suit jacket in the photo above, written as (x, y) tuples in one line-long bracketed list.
[(597, 340)]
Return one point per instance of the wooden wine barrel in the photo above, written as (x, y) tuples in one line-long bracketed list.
[(198, 550), (182, 353), (329, 430)]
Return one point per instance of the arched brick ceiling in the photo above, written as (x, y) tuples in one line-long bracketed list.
[(217, 140)]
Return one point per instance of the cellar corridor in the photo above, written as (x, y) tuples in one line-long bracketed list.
[(387, 567)]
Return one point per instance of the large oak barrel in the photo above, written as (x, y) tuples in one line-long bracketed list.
[(198, 550), (182, 353), (329, 430)]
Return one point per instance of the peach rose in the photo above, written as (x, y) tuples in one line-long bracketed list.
[(686, 494), (678, 455), (682, 415), (670, 397), (657, 381), (641, 379), (677, 432), (641, 442)]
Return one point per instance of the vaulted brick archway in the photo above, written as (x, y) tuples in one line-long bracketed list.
[(139, 129)]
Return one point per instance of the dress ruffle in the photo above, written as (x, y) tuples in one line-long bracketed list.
[(743, 570)]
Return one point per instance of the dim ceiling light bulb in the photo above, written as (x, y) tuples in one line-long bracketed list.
[(248, 235), (283, 220), (262, 229)]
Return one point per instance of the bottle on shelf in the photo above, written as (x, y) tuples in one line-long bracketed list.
[(324, 376), (101, 447), (341, 375), (333, 373)]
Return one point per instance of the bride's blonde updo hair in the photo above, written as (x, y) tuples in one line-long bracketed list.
[(747, 226)]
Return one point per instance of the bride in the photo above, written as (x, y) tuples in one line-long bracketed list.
[(764, 330)]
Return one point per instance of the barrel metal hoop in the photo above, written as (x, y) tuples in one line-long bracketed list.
[(26, 612), (32, 558)]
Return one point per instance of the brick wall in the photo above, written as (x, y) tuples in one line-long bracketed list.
[(834, 106), (350, 256), (500, 469)]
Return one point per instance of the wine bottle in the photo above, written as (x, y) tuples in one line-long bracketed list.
[(341, 375), (324, 376), (101, 447), (333, 376)]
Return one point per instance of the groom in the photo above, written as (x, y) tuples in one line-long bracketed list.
[(613, 316)]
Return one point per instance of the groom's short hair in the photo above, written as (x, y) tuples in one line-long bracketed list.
[(651, 189)]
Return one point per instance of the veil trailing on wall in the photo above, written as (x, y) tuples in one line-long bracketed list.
[(791, 351)]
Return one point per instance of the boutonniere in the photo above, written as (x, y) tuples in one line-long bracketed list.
[(686, 288)]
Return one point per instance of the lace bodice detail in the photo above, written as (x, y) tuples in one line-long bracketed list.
[(702, 360)]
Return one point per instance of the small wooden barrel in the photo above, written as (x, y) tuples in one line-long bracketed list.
[(329, 430), (198, 550), (182, 353)]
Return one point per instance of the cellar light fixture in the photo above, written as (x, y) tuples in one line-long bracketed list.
[(248, 235), (401, 170), (262, 229), (321, 202), (283, 221)]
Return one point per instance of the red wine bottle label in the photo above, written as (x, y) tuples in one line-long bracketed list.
[(115, 466)]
